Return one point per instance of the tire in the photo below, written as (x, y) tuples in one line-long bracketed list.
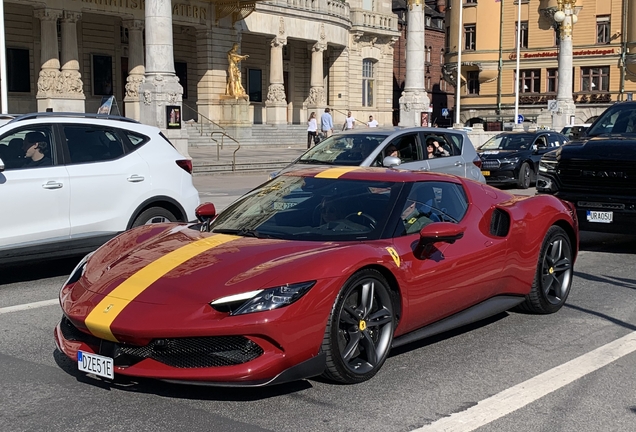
[(154, 215), (553, 278), (525, 176), (358, 337)]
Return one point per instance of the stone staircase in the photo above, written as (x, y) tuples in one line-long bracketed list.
[(262, 136)]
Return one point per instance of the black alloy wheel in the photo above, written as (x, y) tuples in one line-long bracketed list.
[(525, 176), (360, 329), (553, 277), (154, 215)]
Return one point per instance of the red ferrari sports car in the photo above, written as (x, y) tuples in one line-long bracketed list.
[(320, 271)]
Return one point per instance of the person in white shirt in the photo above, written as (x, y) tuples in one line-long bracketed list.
[(372, 122), (350, 122), (312, 128)]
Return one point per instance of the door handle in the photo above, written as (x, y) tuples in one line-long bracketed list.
[(459, 163), (51, 184), (135, 178)]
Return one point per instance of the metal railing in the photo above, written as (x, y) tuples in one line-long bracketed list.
[(345, 114), (221, 131)]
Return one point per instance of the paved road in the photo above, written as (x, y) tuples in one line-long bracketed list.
[(479, 373)]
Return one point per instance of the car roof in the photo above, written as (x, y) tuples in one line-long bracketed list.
[(372, 174), (386, 131)]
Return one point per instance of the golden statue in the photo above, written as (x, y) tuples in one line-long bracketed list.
[(234, 87)]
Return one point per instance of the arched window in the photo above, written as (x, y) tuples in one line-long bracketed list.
[(367, 82)]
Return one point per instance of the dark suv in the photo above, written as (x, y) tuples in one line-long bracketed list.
[(513, 157)]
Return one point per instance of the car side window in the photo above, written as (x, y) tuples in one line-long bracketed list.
[(451, 143), (407, 147), (88, 144), (429, 202), (554, 141), (31, 147), (541, 142)]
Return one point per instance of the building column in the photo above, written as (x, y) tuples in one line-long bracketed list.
[(136, 68), (316, 97), (161, 89), (49, 76), (565, 103), (630, 31), (414, 100), (276, 102), (71, 78)]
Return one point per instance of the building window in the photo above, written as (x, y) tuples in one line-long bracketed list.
[(367, 82), (523, 42), (428, 54), (470, 36), (367, 4), (473, 82), (102, 75), (530, 81), (286, 52), (447, 40), (18, 70), (441, 57), (255, 85), (595, 79), (553, 80), (603, 29), (181, 70), (470, 1), (123, 35), (428, 21), (428, 83)]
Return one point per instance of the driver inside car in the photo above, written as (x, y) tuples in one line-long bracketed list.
[(419, 209)]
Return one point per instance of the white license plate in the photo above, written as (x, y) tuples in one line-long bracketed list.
[(599, 216), (95, 364)]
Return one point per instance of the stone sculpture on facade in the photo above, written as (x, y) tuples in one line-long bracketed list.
[(234, 87)]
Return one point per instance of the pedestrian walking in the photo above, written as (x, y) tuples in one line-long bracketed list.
[(312, 129), (350, 122), (326, 123), (372, 122)]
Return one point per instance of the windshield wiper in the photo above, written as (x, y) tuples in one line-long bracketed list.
[(243, 232), (314, 161)]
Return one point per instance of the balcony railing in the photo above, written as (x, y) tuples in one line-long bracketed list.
[(336, 8), (363, 18)]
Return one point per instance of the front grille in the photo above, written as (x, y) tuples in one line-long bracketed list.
[(613, 177), (197, 352), (489, 164)]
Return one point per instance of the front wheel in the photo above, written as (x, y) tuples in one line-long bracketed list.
[(154, 215), (553, 277), (360, 329), (525, 174)]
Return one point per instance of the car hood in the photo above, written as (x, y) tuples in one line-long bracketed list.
[(175, 264), (623, 149), (501, 154)]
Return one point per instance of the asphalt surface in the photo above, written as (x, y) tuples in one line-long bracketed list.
[(420, 385)]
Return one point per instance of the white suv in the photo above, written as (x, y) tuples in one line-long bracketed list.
[(71, 181)]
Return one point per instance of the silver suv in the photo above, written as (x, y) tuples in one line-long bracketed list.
[(419, 149)]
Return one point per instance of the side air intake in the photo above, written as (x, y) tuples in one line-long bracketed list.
[(500, 223)]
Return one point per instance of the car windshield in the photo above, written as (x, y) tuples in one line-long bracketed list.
[(309, 208), (508, 142), (347, 149), (616, 120)]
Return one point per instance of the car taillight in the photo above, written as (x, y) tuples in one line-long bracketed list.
[(477, 162), (186, 164)]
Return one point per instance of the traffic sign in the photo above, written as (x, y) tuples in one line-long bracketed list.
[(553, 105), (444, 112), (520, 119)]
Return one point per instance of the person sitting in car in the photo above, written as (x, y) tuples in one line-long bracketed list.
[(433, 149), (35, 149)]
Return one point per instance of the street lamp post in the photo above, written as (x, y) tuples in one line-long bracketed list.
[(565, 104)]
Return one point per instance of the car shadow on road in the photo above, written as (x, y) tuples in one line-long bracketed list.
[(612, 243), (41, 270), (179, 391)]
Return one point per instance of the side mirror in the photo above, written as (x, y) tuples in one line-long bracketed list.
[(1, 165), (437, 232), (205, 212), (391, 161)]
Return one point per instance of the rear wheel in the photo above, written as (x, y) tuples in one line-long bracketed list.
[(360, 329), (154, 215), (525, 174), (553, 277)]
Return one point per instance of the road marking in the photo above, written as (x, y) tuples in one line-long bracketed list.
[(29, 306), (535, 388)]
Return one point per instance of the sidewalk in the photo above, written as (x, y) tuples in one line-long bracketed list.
[(205, 159)]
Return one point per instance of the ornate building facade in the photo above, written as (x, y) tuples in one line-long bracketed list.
[(301, 56), (603, 48)]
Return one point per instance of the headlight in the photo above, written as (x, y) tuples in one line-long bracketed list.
[(262, 300), (78, 271), (547, 166), (512, 161)]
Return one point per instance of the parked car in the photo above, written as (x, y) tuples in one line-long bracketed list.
[(96, 178), (318, 271), (368, 147), (575, 131), (598, 172), (513, 157)]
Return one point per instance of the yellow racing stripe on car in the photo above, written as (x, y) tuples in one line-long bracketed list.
[(102, 316), (335, 172)]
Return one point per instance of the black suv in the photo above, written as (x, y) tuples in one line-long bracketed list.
[(597, 173), (513, 157)]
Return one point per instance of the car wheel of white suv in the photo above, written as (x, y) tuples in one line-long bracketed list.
[(154, 215)]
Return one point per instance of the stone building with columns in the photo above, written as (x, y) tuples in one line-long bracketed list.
[(303, 55), (602, 41)]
